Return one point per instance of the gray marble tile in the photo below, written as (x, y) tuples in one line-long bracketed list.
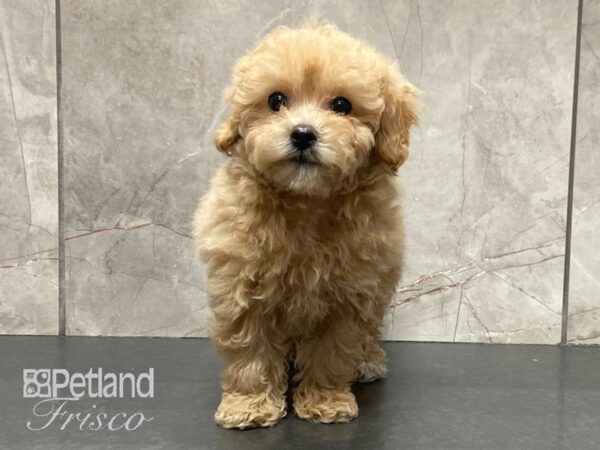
[(485, 186), (584, 301), (142, 95), (28, 169)]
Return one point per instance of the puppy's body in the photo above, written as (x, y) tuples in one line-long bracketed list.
[(303, 258), (295, 260)]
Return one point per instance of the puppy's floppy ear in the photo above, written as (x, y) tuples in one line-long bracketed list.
[(228, 132), (399, 114)]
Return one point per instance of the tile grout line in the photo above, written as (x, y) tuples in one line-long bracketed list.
[(60, 160), (573, 145)]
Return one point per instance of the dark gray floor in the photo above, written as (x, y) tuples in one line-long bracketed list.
[(438, 396)]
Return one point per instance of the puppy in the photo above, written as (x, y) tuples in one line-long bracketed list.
[(301, 230)]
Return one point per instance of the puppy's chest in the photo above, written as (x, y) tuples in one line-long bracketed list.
[(313, 256)]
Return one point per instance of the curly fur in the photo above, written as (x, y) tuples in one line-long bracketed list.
[(302, 261)]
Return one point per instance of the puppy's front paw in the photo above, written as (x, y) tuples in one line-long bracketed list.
[(250, 411), (324, 405)]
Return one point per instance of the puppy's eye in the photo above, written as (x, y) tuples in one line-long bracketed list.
[(342, 106), (276, 101)]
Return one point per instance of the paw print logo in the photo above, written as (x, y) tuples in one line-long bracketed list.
[(36, 383)]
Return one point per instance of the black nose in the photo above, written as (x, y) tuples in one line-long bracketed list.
[(303, 136)]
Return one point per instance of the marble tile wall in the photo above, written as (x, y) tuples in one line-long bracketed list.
[(28, 169), (584, 298), (486, 185)]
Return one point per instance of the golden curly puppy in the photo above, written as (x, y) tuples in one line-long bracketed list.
[(301, 229)]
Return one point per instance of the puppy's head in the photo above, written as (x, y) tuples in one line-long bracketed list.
[(310, 106)]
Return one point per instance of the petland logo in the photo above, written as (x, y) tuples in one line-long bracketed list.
[(60, 389)]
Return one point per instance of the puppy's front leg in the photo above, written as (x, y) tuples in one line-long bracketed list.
[(327, 362), (254, 379)]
